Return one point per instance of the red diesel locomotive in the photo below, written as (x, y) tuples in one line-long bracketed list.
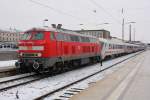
[(51, 49)]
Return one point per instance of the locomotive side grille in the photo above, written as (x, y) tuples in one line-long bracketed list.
[(30, 55)]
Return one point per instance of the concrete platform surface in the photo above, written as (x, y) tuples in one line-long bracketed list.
[(130, 82)]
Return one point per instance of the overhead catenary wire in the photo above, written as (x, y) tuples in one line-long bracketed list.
[(52, 8), (58, 11), (108, 13)]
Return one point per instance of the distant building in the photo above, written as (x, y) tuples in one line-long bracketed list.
[(97, 33), (9, 38)]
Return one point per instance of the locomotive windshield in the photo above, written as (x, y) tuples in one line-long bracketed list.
[(32, 36), (26, 36), (38, 36)]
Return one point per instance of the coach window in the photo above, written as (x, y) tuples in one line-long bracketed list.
[(52, 36)]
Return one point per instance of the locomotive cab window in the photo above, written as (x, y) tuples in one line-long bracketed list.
[(26, 36), (38, 36)]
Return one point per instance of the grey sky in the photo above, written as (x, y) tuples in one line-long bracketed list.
[(24, 14)]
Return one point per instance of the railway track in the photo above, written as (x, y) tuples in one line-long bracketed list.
[(6, 73), (16, 77), (75, 90), (18, 80)]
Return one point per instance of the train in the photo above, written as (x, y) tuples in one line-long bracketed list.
[(54, 50), (118, 48)]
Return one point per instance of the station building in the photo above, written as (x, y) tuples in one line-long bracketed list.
[(9, 38), (97, 33)]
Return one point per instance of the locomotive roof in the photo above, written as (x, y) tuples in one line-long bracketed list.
[(59, 30)]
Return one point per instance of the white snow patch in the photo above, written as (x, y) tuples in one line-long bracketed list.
[(7, 63)]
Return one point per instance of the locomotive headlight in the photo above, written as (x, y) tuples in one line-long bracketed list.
[(39, 54), (20, 54)]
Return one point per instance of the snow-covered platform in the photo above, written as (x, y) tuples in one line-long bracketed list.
[(130, 82)]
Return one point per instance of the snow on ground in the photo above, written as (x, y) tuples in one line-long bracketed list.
[(84, 84), (35, 89), (7, 63)]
